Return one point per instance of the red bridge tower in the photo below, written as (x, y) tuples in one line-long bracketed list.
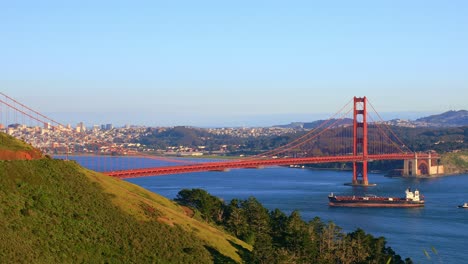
[(360, 142)]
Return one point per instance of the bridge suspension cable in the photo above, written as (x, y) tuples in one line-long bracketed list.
[(32, 110), (389, 128), (299, 141)]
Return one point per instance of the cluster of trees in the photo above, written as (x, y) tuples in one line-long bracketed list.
[(186, 136), (439, 139), (279, 238)]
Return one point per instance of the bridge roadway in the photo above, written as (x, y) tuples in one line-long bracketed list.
[(256, 163)]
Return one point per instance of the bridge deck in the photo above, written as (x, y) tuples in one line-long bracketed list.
[(253, 163)]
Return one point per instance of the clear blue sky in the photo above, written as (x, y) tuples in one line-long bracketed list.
[(232, 62)]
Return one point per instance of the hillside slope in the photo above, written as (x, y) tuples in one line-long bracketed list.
[(456, 162), (54, 211), (13, 149)]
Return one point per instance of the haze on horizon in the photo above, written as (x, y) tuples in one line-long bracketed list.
[(208, 63)]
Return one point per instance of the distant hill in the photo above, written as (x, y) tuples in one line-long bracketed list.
[(56, 211), (450, 118), (447, 119), (315, 124)]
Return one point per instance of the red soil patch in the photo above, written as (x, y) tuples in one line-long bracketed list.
[(165, 220), (20, 155), (188, 212)]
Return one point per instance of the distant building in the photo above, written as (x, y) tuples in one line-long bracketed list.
[(109, 127), (80, 127)]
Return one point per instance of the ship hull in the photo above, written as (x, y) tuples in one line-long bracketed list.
[(395, 203)]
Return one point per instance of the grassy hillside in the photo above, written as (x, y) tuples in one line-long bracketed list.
[(8, 142), (456, 162), (54, 211)]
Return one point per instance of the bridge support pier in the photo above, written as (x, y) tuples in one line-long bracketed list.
[(410, 167), (422, 166), (360, 174)]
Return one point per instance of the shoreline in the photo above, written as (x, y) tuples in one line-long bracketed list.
[(427, 176)]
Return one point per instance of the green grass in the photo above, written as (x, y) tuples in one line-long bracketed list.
[(54, 211), (10, 143), (129, 197)]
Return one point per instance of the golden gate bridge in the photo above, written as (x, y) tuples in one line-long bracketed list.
[(347, 136)]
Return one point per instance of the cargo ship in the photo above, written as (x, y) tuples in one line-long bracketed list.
[(412, 199)]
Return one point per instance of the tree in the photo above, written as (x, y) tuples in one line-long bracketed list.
[(263, 252), (235, 220), (257, 215), (283, 256), (257, 218), (278, 221), (328, 242), (210, 207), (368, 249), (296, 233)]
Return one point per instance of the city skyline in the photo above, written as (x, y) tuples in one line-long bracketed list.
[(232, 64)]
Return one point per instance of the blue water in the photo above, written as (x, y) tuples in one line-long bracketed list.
[(439, 226)]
